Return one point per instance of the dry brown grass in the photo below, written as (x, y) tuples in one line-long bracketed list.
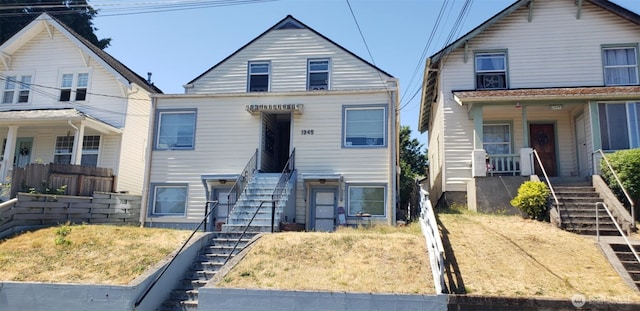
[(512, 256), (380, 259), (96, 254)]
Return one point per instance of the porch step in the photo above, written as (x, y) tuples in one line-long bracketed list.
[(628, 260)]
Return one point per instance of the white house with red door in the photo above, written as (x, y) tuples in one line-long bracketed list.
[(556, 76)]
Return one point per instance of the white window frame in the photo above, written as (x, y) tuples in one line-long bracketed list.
[(153, 203), (606, 67), (94, 151), (17, 84), (485, 78), (506, 143), (357, 201), (630, 126), (160, 113), (68, 143), (251, 73), (77, 88), (311, 72), (369, 142)]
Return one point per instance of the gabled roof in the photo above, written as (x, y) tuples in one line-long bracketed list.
[(122, 72), (431, 75), (289, 22)]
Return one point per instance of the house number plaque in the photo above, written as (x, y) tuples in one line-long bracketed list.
[(306, 132)]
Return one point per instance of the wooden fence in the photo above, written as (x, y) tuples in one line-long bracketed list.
[(46, 178), (29, 211)]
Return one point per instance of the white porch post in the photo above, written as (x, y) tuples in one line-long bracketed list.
[(526, 165), (479, 155), (76, 154), (9, 152)]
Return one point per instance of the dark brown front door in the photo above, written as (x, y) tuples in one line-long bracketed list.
[(543, 140)]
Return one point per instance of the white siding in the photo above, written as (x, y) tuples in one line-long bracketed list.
[(288, 51), (553, 50), (35, 58), (227, 136)]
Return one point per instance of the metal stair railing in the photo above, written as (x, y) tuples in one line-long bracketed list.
[(241, 183), (285, 176), (606, 208), (632, 204), (246, 227), (546, 177), (164, 269), (429, 227)]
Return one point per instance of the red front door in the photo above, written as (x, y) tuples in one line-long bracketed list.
[(543, 140)]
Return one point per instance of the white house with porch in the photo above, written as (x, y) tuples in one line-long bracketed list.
[(63, 100), (292, 117), (556, 76)]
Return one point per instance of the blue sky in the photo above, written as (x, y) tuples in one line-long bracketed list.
[(178, 45)]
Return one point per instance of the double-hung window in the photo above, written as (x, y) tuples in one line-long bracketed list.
[(90, 150), (258, 80), (491, 71), (175, 129), (169, 199), (620, 65), (366, 199), (619, 125), (364, 126), (496, 138), (16, 89), (73, 87), (318, 75)]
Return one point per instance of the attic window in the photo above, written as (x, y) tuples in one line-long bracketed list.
[(74, 87), (491, 71), (318, 75)]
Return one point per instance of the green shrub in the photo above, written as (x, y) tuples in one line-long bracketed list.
[(626, 164), (532, 199)]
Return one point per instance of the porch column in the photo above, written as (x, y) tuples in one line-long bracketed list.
[(76, 154), (9, 152), (525, 128), (479, 155)]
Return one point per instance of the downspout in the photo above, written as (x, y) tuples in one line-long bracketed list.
[(147, 169)]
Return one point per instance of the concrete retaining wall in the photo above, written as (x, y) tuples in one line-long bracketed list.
[(210, 299), (493, 194)]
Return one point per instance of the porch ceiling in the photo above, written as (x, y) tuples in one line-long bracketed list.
[(546, 94), (48, 117)]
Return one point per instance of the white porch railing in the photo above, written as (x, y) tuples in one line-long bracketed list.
[(434, 243), (503, 164)]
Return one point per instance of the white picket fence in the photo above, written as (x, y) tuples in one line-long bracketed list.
[(431, 233)]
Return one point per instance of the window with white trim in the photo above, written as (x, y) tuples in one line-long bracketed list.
[(619, 125), (73, 87), (258, 80), (90, 150), (169, 200), (175, 129), (496, 138), (491, 71), (317, 74), (16, 89), (364, 126), (368, 199), (620, 65)]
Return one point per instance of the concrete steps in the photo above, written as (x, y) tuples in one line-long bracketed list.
[(577, 206), (628, 261), (184, 296)]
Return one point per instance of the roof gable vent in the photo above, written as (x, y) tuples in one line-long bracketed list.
[(289, 23)]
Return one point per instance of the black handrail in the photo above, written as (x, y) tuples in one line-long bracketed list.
[(241, 182), (244, 231), (164, 269), (285, 176)]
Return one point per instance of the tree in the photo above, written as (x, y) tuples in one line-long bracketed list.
[(626, 164), (75, 14), (413, 163)]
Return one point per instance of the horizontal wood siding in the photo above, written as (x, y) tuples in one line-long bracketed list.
[(34, 58), (227, 136), (554, 49), (288, 51)]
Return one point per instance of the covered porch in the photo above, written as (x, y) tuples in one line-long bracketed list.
[(65, 136)]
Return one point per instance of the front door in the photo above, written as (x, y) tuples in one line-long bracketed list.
[(24, 146), (581, 146), (226, 200), (543, 140), (323, 209)]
